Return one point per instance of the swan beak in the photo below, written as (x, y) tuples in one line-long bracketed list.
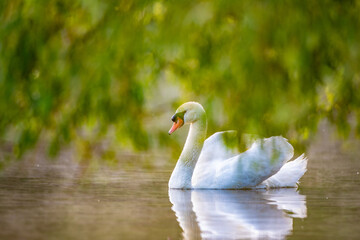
[(176, 125)]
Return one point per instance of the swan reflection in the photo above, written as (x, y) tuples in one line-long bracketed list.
[(227, 214)]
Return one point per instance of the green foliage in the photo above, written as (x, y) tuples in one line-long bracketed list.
[(90, 70)]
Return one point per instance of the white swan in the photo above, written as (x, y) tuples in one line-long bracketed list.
[(214, 164)]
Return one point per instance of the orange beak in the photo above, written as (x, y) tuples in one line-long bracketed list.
[(176, 125)]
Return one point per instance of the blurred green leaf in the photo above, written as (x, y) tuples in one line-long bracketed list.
[(113, 70)]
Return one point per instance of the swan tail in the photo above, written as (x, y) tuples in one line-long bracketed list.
[(289, 175)]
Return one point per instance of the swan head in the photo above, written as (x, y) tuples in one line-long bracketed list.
[(187, 113)]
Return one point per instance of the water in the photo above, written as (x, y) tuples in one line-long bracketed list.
[(56, 200)]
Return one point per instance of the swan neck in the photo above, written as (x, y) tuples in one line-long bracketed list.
[(182, 174), (194, 143)]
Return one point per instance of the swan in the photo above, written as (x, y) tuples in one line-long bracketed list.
[(213, 164)]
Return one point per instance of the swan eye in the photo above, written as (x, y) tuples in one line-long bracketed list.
[(178, 115)]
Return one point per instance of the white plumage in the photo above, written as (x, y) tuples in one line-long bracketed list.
[(215, 163)]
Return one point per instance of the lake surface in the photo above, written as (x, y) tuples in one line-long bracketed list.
[(42, 199)]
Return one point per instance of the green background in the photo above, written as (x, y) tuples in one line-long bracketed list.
[(106, 76)]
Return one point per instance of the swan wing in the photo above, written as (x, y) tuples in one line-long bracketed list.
[(219, 146), (261, 161), (224, 145), (246, 170)]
